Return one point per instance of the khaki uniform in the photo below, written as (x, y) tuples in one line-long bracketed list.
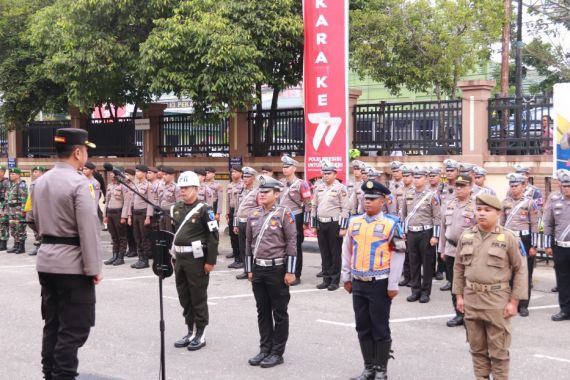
[(206, 195), (397, 190), (356, 197), (483, 190), (233, 191), (168, 195), (491, 259), (446, 193), (139, 211), (247, 202), (115, 210), (218, 195)]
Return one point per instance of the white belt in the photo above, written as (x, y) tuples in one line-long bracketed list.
[(269, 262), (524, 233), (328, 220), (563, 244), (371, 278), (182, 248), (419, 228), (242, 220)]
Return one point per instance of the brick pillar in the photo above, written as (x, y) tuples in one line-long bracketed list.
[(353, 96), (239, 135), (475, 119), (153, 112), (15, 143), (78, 119)]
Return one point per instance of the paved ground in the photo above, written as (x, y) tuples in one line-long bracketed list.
[(125, 344)]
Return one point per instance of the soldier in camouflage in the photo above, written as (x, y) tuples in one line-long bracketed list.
[(4, 229), (16, 199)]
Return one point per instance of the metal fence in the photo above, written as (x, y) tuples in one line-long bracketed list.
[(115, 137), (526, 132), (38, 137), (3, 140), (273, 136), (185, 135), (410, 128)]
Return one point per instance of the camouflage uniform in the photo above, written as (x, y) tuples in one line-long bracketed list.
[(4, 227), (16, 197)]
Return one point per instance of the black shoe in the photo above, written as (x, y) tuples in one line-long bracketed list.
[(131, 253), (141, 264), (332, 287), (424, 298), (320, 274), (383, 353), (367, 374), (560, 316), (403, 283), (112, 259), (456, 321), (242, 276), (446, 287), (14, 249), (21, 248), (554, 290), (120, 260), (271, 361), (523, 312), (257, 359), (185, 340), (367, 348), (230, 256), (439, 276), (413, 298), (199, 340), (236, 265), (323, 285), (3, 245), (296, 282), (35, 251)]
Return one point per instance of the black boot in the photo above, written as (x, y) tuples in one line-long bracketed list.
[(141, 264), (14, 248), (455, 321), (21, 248), (3, 245), (111, 260), (35, 251), (131, 252), (185, 340), (120, 259), (382, 353), (199, 339), (367, 349)]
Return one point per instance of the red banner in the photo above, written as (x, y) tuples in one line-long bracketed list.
[(326, 85)]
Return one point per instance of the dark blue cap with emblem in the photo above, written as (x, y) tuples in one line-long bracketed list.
[(374, 189)]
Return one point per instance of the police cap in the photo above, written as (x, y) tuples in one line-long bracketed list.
[(451, 164), (515, 178), (89, 165), (406, 169), (153, 169), (248, 171), (463, 180), (142, 168), (395, 165), (167, 169), (288, 161), (520, 168), (200, 171), (434, 170), (479, 171), (267, 183), (564, 178), (72, 136), (374, 189), (326, 167), (420, 171), (130, 171)]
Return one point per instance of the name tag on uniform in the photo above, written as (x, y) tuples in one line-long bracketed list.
[(197, 249)]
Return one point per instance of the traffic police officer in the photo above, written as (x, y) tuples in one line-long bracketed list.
[(488, 260), (69, 258), (217, 190), (330, 216), (520, 215), (557, 243), (480, 175), (233, 191), (247, 201), (530, 190), (115, 217), (4, 225), (140, 217), (168, 195), (457, 216), (195, 249), (408, 182), (16, 199), (451, 173), (355, 183), (421, 215), (372, 258), (270, 262), (434, 179), (297, 197)]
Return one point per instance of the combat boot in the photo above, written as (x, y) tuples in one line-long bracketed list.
[(141, 264), (120, 259), (21, 248), (185, 340), (367, 349), (382, 353), (131, 252), (14, 248), (199, 339), (35, 251), (3, 245), (111, 260)]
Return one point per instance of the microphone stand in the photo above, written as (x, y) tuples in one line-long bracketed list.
[(161, 266)]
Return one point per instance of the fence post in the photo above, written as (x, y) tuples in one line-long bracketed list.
[(78, 119), (15, 143), (151, 140), (239, 134), (353, 96), (475, 119)]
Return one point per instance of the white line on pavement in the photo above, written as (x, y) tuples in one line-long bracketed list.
[(251, 294), (127, 278), (336, 323), (542, 307), (17, 266), (551, 358)]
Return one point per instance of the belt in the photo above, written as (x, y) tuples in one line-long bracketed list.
[(269, 262), (328, 220), (46, 239), (563, 244), (182, 248), (297, 212), (14, 203), (523, 233), (242, 220), (114, 210), (140, 211), (452, 242), (419, 228), (371, 279), (487, 287)]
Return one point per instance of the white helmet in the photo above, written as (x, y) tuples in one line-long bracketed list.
[(188, 179)]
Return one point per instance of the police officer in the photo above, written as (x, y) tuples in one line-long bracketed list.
[(355, 182), (421, 214), (488, 260), (457, 216), (480, 175), (451, 173), (408, 192), (233, 191), (115, 217), (140, 217), (131, 242), (168, 195), (37, 172), (330, 216), (557, 242), (356, 196), (270, 262), (69, 258), (205, 192), (247, 201), (297, 197), (372, 260), (530, 191), (195, 249), (217, 190), (434, 181), (520, 215), (4, 225), (16, 199)]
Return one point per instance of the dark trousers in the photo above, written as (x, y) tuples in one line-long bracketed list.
[(165, 223), (117, 230), (131, 239), (449, 263), (440, 266), (234, 239), (142, 236), (406, 271), (192, 287), (530, 266), (422, 256), (242, 242), (300, 240), (371, 306), (562, 270), (68, 311), (330, 245), (271, 298)]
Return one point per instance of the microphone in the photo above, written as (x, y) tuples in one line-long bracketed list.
[(110, 168)]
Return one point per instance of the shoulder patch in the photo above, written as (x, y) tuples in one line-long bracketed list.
[(91, 190), (501, 237), (211, 215), (468, 235)]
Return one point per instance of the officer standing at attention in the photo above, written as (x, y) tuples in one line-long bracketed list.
[(217, 191), (355, 183), (140, 217), (233, 191), (330, 216), (37, 172), (434, 179), (372, 260), (557, 243), (131, 242), (115, 217), (488, 260), (195, 249), (205, 192), (407, 195), (246, 203), (520, 215), (421, 215), (69, 258), (4, 226), (297, 197), (447, 188), (168, 195), (355, 195), (457, 216), (530, 191), (480, 175), (270, 262), (16, 199)]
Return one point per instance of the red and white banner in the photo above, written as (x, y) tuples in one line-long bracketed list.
[(326, 85)]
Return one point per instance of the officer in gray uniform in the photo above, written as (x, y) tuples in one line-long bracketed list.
[(140, 217), (421, 215), (447, 188), (458, 215), (530, 191), (131, 242), (434, 179), (270, 262), (217, 190), (69, 259), (356, 196), (355, 182), (480, 175), (408, 192), (168, 195), (205, 192), (37, 172), (233, 191), (247, 201), (4, 226), (195, 249), (520, 215), (296, 196), (330, 216), (115, 217)]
